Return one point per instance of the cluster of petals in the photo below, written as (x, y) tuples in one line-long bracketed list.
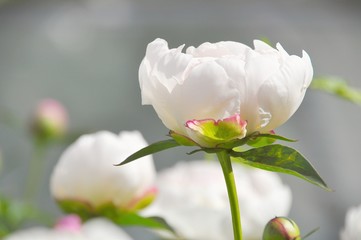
[(264, 85), (86, 173)]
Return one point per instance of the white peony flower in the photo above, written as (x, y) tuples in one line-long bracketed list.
[(193, 199), (94, 229), (352, 229), (86, 172), (264, 86)]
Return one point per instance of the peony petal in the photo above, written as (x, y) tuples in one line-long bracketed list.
[(263, 47), (161, 65), (309, 70), (258, 69), (219, 49), (288, 86), (171, 68), (206, 93)]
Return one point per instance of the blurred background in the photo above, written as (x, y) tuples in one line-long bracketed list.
[(86, 54)]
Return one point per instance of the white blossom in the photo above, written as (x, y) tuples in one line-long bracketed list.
[(193, 198), (94, 229), (264, 86), (86, 172), (352, 228)]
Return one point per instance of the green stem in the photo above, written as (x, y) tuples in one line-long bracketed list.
[(226, 164), (36, 169)]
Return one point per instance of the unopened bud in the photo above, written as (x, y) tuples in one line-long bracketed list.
[(50, 120), (71, 223), (281, 228)]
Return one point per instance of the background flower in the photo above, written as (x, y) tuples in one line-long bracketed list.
[(86, 172), (50, 120), (352, 228), (193, 199), (265, 86), (94, 229)]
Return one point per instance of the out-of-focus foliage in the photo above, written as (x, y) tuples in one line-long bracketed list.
[(338, 87), (13, 215)]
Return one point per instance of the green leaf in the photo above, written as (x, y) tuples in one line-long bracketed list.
[(83, 209), (118, 216), (279, 158), (125, 218), (310, 233), (337, 87), (153, 148), (264, 139), (133, 219), (274, 136), (14, 214)]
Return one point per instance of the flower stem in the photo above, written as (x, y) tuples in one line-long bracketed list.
[(226, 164), (35, 173)]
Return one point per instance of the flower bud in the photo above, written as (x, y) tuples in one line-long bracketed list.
[(70, 222), (50, 120), (281, 228), (1, 161)]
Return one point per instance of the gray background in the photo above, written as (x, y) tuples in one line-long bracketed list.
[(86, 54)]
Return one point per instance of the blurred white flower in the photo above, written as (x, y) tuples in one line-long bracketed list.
[(193, 198), (264, 86), (352, 229), (86, 172), (94, 229)]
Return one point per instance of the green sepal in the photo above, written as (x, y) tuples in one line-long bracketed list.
[(233, 143), (279, 158), (84, 210), (255, 139), (142, 203), (153, 148), (181, 139)]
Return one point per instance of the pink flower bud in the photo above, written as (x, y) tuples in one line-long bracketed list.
[(70, 223), (50, 120), (281, 228)]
